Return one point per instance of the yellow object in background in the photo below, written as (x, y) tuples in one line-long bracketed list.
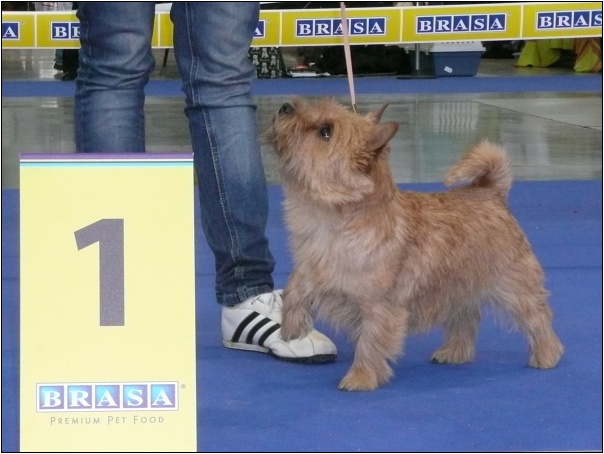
[(18, 30), (107, 304), (322, 27), (544, 53), (589, 55)]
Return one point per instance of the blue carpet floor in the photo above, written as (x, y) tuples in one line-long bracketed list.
[(251, 402), (339, 86)]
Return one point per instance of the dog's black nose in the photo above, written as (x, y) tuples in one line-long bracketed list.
[(286, 109)]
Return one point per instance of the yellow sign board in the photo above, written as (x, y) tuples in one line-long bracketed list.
[(107, 303), (268, 29), (324, 27), (470, 23), (555, 20), (18, 30), (266, 34), (164, 37), (320, 27), (58, 30)]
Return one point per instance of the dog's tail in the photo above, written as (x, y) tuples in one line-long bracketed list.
[(484, 165)]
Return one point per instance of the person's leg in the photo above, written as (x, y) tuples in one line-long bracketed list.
[(212, 40), (115, 64), (70, 64), (58, 60)]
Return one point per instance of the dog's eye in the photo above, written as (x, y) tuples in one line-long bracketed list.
[(325, 132)]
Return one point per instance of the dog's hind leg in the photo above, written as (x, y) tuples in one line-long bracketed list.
[(379, 338), (460, 337), (525, 300)]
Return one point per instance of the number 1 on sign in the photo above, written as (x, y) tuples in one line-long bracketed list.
[(109, 233)]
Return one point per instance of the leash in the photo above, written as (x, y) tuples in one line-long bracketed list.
[(346, 37)]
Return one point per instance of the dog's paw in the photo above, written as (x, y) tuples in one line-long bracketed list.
[(450, 355), (363, 380), (358, 383), (291, 331), (547, 356)]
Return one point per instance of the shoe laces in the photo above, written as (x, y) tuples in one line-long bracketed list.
[(272, 300)]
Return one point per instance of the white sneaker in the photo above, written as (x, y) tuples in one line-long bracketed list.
[(255, 325)]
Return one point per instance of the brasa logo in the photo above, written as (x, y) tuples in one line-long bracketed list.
[(151, 396), (364, 26), (260, 31), (462, 23), (10, 30), (65, 30), (556, 20)]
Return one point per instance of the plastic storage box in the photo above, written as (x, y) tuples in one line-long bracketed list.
[(456, 59), (449, 59)]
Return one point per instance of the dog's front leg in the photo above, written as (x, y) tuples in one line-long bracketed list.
[(297, 304), (379, 339)]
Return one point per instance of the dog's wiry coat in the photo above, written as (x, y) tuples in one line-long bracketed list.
[(383, 263)]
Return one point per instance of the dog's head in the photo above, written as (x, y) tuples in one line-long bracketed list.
[(329, 153)]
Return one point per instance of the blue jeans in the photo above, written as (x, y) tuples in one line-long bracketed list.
[(211, 42)]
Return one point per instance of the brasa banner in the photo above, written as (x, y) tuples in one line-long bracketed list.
[(18, 30), (57, 30), (467, 23), (324, 27), (566, 20)]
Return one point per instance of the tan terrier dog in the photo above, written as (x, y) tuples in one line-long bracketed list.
[(383, 263)]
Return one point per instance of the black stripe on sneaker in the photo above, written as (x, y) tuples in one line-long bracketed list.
[(246, 321), (267, 333), (255, 329)]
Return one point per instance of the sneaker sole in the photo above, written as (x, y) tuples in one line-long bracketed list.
[(248, 347), (316, 359)]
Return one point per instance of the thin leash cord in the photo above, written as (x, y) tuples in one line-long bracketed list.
[(348, 57)]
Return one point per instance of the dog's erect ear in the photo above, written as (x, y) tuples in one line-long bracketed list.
[(381, 135), (376, 115)]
